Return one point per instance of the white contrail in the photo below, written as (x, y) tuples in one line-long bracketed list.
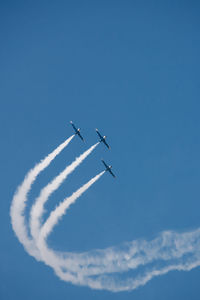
[(103, 269), (98, 268), (20, 199), (49, 256), (121, 268), (38, 207), (60, 210)]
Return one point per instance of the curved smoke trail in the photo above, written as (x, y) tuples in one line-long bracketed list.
[(120, 268), (38, 208), (48, 256), (106, 269), (60, 210), (20, 199)]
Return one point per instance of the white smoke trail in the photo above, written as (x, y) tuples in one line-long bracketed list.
[(99, 269), (103, 269), (20, 199), (49, 256), (38, 207), (60, 210), (115, 269)]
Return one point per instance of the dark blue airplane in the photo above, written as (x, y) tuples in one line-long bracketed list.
[(77, 131), (102, 139), (108, 168)]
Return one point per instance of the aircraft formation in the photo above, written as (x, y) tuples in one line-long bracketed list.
[(101, 139)]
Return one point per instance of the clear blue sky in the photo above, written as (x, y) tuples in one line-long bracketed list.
[(131, 69)]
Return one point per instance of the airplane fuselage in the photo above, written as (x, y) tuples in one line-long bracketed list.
[(77, 131), (108, 168), (102, 139)]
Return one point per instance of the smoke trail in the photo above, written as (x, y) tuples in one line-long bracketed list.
[(99, 269), (121, 268), (20, 199), (38, 208), (142, 260), (48, 256), (56, 215)]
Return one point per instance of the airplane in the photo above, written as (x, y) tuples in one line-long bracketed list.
[(77, 131), (102, 139), (108, 168)]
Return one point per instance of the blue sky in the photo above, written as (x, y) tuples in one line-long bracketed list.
[(131, 69)]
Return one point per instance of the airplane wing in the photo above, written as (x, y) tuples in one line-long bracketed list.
[(99, 134), (108, 168), (106, 143), (105, 164), (73, 126), (80, 136), (111, 173)]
